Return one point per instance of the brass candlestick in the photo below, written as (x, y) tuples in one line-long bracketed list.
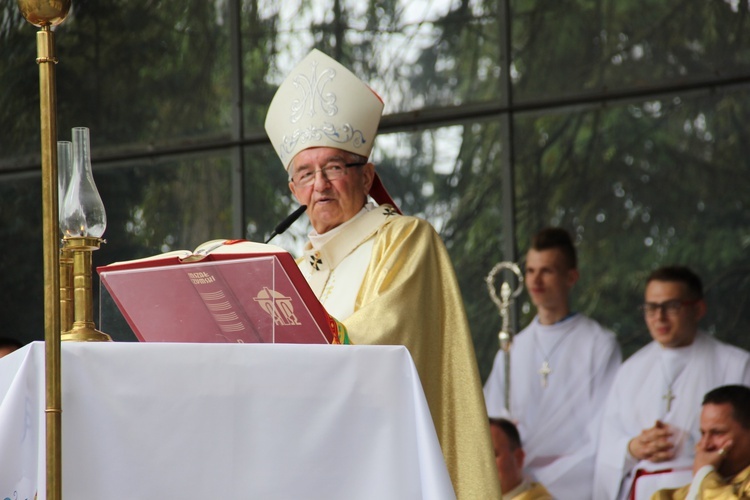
[(83, 328), (83, 221), (45, 14)]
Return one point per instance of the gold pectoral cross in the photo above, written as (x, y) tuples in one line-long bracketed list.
[(544, 371), (669, 397)]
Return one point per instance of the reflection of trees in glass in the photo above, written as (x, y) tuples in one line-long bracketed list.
[(641, 181), (175, 67), (640, 185), (134, 73), (574, 46), (19, 75), (185, 205), (137, 76)]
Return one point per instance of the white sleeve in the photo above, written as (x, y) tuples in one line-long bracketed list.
[(695, 484), (494, 389)]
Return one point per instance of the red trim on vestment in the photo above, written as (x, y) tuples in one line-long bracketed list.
[(380, 194)]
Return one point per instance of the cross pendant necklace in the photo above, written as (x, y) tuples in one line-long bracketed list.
[(544, 371), (671, 372), (668, 397)]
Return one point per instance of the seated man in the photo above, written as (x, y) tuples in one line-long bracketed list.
[(651, 416), (722, 457), (509, 456)]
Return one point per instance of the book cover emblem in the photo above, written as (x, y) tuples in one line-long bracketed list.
[(279, 306)]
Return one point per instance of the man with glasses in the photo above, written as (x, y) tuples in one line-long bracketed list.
[(385, 276), (651, 420)]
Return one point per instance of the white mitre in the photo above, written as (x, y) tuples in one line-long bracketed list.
[(321, 103)]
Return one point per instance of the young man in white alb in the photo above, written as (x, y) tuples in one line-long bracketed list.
[(562, 366)]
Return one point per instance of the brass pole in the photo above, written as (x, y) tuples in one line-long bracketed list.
[(53, 393), (45, 14)]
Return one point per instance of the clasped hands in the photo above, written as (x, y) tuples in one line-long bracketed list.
[(654, 444)]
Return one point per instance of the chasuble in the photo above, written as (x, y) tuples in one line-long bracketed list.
[(390, 280)]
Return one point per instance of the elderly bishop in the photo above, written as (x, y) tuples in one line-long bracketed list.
[(387, 277)]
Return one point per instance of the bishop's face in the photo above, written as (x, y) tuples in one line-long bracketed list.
[(330, 202)]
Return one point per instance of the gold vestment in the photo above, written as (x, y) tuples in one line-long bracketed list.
[(529, 491), (713, 487), (409, 296)]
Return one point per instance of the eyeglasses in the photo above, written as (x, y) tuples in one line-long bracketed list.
[(331, 172), (670, 307)]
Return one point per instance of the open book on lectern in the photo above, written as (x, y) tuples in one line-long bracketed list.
[(224, 291)]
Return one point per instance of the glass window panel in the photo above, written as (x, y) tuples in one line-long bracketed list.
[(268, 200), (574, 47), (22, 305), (166, 204), (19, 77), (130, 72), (414, 54), (641, 185)]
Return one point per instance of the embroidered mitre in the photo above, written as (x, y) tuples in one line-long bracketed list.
[(321, 103)]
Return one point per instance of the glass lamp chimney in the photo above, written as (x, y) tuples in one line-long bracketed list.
[(64, 172), (82, 213)]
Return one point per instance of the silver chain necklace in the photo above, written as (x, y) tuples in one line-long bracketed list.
[(546, 369), (669, 396)]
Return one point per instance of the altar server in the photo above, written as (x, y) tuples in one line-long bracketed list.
[(562, 366)]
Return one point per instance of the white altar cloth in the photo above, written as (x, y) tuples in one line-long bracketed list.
[(229, 421)]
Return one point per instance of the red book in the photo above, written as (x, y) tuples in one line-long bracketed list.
[(224, 291)]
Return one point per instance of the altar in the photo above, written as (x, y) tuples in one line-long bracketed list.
[(222, 421)]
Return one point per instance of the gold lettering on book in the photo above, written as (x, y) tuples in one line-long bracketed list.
[(217, 302), (201, 278), (278, 306)]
